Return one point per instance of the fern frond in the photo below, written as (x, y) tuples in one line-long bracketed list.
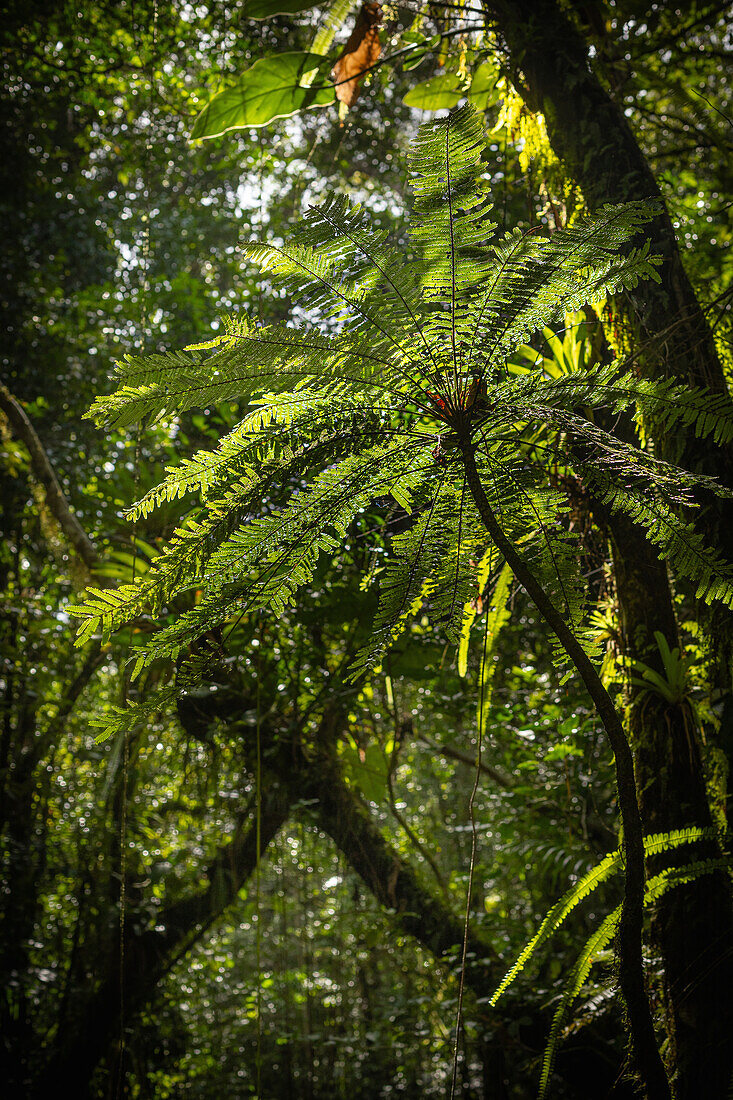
[(655, 887), (679, 876), (273, 431), (678, 542), (609, 386), (557, 915), (657, 843), (115, 720), (599, 941), (398, 369), (654, 844), (431, 562), (255, 360), (536, 280)]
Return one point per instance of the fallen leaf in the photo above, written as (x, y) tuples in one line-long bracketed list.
[(360, 53)]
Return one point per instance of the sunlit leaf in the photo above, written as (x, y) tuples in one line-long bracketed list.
[(271, 88), (436, 94), (482, 92)]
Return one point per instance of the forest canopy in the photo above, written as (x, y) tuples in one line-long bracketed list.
[(365, 464)]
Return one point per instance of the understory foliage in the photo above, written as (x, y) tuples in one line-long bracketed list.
[(606, 930), (397, 366)]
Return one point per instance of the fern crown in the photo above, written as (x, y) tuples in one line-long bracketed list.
[(408, 363)]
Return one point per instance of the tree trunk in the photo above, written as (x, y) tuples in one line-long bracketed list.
[(692, 924), (672, 339), (590, 133)]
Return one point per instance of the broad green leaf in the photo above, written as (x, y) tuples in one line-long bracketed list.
[(422, 45), (266, 9), (412, 60), (470, 610), (437, 93), (271, 88), (482, 92), (366, 768)]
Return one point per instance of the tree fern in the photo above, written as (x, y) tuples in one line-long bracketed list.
[(399, 387), (415, 354)]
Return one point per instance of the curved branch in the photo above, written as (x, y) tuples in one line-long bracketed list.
[(150, 954), (44, 474)]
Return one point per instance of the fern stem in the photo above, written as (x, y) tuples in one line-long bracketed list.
[(631, 971)]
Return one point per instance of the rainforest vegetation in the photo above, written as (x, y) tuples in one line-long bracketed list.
[(366, 466)]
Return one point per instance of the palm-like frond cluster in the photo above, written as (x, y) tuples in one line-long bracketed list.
[(406, 362)]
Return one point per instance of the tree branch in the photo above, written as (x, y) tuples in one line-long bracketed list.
[(150, 954), (43, 472)]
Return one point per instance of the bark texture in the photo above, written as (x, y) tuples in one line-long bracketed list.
[(692, 924), (588, 130)]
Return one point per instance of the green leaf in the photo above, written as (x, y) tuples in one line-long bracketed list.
[(266, 9), (437, 93), (483, 93), (469, 613), (497, 615), (271, 88), (366, 768), (559, 752), (402, 498), (468, 616), (422, 46)]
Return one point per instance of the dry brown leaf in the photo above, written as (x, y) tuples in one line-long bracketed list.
[(362, 50)]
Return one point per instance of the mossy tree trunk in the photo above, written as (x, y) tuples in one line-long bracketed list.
[(691, 924), (549, 63)]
